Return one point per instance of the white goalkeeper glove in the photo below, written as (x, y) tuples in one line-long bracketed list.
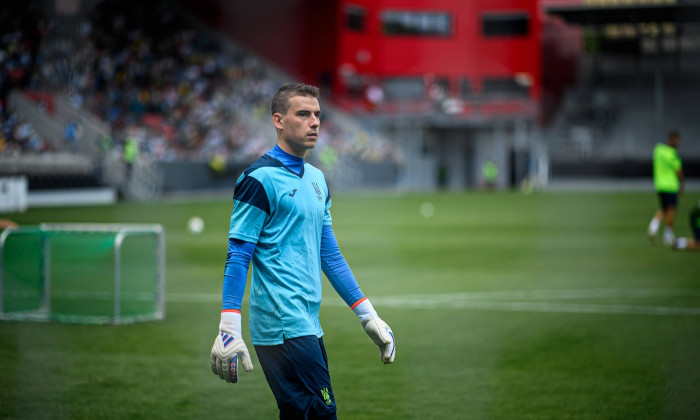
[(377, 330), (229, 348)]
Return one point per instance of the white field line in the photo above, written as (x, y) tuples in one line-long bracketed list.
[(575, 308), (193, 297), (83, 295), (557, 294), (512, 301)]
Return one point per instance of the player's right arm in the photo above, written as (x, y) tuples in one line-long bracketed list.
[(229, 346), (250, 208)]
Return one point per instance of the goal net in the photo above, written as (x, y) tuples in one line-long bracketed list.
[(83, 273)]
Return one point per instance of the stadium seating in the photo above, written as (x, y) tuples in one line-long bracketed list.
[(181, 92)]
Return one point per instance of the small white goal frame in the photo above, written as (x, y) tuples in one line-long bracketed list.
[(121, 233)]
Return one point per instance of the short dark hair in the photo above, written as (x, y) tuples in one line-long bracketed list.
[(674, 134), (280, 103)]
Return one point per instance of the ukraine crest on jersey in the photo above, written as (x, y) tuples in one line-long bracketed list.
[(283, 213)]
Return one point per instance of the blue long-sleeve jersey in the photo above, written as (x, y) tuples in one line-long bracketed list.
[(281, 222)]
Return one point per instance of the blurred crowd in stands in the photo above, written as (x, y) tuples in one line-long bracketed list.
[(176, 90), (20, 35)]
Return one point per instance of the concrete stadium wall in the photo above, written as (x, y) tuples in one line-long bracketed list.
[(192, 176), (181, 177)]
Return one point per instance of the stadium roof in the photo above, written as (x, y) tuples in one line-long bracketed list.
[(605, 14)]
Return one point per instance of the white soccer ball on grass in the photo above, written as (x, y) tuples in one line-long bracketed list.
[(427, 209), (195, 225)]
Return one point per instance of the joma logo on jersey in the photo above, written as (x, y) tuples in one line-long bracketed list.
[(318, 191), (294, 191)]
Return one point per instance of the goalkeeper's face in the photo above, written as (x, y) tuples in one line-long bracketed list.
[(298, 128)]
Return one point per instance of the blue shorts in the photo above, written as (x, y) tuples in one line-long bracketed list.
[(297, 372), (667, 199)]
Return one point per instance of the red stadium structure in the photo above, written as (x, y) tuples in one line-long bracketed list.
[(478, 59), (458, 81)]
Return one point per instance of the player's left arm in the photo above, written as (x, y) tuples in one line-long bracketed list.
[(336, 268)]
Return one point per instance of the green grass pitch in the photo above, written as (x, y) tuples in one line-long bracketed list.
[(504, 305)]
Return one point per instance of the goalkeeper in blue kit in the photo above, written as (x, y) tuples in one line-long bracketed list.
[(281, 221)]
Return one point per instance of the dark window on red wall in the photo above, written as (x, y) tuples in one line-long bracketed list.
[(465, 87), (504, 87), (505, 24), (400, 23), (404, 88), (355, 17)]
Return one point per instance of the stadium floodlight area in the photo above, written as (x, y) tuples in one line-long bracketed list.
[(83, 273)]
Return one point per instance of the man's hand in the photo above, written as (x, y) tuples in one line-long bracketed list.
[(229, 348), (382, 336), (376, 329), (225, 355)]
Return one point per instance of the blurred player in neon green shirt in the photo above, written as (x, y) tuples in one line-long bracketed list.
[(489, 171), (668, 182)]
